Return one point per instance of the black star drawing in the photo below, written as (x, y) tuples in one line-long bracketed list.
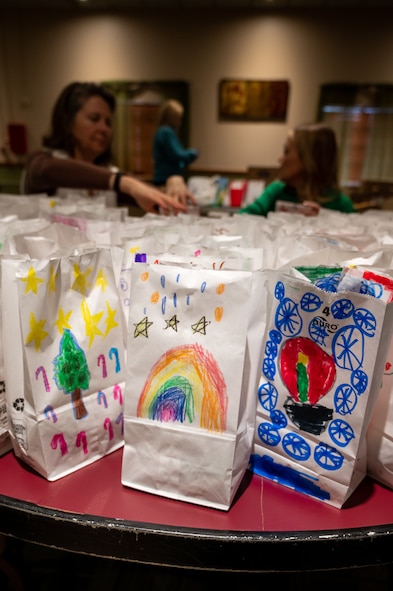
[(172, 323), (141, 328), (200, 326)]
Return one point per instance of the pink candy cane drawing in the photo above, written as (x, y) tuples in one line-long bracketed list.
[(81, 440), (114, 352), (117, 394), (120, 421), (58, 440), (109, 428), (42, 370), (101, 361), (49, 412), (101, 399)]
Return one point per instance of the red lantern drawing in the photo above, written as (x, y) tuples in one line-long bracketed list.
[(309, 373)]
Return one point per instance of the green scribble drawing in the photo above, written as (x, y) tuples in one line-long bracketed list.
[(71, 372)]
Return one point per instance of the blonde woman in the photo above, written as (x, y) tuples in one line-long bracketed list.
[(308, 174), (169, 155)]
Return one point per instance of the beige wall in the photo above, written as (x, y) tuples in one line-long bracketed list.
[(40, 53)]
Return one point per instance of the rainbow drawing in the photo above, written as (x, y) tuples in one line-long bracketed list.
[(185, 384)]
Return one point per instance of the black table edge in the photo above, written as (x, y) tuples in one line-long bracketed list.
[(194, 548)]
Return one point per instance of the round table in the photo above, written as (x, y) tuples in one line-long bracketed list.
[(269, 527)]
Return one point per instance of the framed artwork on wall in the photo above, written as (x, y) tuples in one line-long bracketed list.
[(253, 100)]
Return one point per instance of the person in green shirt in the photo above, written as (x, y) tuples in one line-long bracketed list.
[(308, 174)]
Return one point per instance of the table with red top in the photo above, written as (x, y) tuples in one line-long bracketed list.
[(268, 528)]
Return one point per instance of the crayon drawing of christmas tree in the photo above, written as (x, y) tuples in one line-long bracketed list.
[(71, 372)]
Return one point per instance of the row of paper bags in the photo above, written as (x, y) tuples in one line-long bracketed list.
[(202, 364)]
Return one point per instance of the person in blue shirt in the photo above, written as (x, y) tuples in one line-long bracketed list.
[(169, 155), (308, 174)]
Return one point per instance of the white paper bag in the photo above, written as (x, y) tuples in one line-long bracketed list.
[(64, 360), (193, 361), (324, 355)]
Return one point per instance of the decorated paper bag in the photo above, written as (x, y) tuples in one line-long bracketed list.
[(324, 355), (380, 431), (193, 362), (63, 359)]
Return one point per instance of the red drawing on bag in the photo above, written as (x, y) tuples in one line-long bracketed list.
[(42, 370), (117, 394), (306, 370), (309, 373), (101, 361), (108, 427), (59, 441), (81, 440)]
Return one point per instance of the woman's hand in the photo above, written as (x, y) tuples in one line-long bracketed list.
[(177, 188), (311, 208), (149, 198)]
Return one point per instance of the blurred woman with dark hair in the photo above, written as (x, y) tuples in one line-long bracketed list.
[(76, 155)]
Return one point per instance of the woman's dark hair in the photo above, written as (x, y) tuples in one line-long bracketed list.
[(70, 101)]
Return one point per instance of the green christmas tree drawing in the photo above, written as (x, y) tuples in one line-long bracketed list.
[(71, 372)]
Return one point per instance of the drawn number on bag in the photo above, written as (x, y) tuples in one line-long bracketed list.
[(326, 311)]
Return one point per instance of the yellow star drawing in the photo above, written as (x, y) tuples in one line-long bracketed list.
[(172, 323), (101, 280), (200, 326), (32, 281), (81, 282), (37, 332), (52, 279), (62, 320), (91, 322), (142, 327), (110, 319)]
